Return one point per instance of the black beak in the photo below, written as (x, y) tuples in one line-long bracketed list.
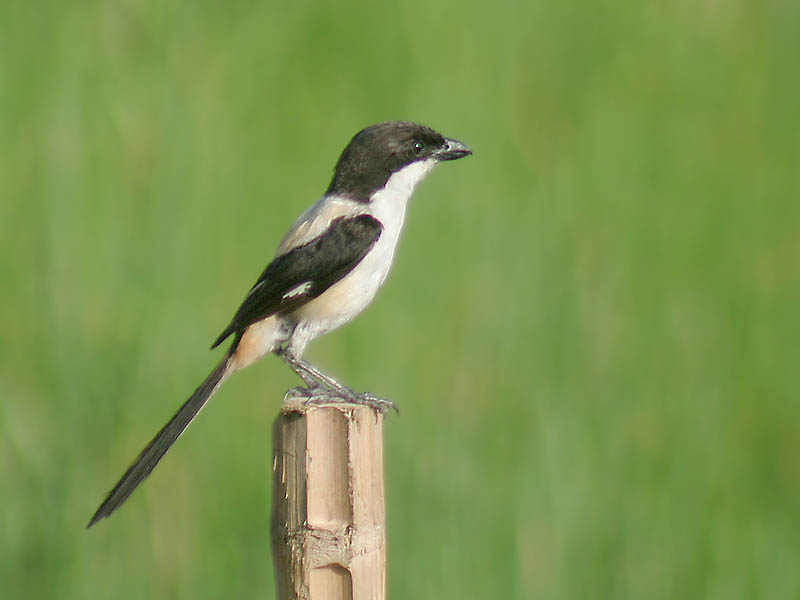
[(452, 150)]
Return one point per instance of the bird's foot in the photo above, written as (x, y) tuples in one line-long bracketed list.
[(324, 395), (306, 394), (382, 405)]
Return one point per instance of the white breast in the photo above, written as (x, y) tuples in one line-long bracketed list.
[(348, 297)]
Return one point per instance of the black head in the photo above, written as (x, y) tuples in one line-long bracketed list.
[(380, 150)]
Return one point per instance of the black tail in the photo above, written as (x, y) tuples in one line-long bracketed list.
[(158, 446)]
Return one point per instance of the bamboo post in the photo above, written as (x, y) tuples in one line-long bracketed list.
[(328, 513)]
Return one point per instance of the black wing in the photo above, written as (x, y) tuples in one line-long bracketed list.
[(300, 275)]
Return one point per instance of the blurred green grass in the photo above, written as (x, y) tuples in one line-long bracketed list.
[(592, 326)]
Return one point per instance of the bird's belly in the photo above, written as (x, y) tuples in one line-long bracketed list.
[(345, 299)]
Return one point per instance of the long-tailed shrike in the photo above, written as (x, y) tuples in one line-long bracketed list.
[(327, 269)]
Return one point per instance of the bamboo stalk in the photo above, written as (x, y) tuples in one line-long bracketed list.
[(328, 513)]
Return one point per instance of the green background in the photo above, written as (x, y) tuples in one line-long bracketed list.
[(591, 327)]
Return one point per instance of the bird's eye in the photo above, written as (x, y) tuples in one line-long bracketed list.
[(418, 147)]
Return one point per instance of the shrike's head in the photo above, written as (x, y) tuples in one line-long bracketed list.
[(395, 153)]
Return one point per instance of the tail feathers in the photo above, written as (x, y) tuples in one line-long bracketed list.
[(158, 446), (230, 329)]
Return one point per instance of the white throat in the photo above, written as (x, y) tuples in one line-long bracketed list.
[(389, 203)]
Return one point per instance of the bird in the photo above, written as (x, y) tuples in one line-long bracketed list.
[(326, 270)]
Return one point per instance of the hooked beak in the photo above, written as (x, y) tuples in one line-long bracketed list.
[(452, 150)]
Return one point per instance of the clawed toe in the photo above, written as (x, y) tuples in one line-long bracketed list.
[(382, 405), (295, 393), (322, 395)]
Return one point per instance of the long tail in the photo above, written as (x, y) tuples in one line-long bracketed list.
[(158, 446)]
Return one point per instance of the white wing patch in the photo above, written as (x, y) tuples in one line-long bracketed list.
[(298, 290)]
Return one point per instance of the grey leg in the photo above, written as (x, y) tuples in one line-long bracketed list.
[(323, 388)]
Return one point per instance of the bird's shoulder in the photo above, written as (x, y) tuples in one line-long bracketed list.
[(317, 219)]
